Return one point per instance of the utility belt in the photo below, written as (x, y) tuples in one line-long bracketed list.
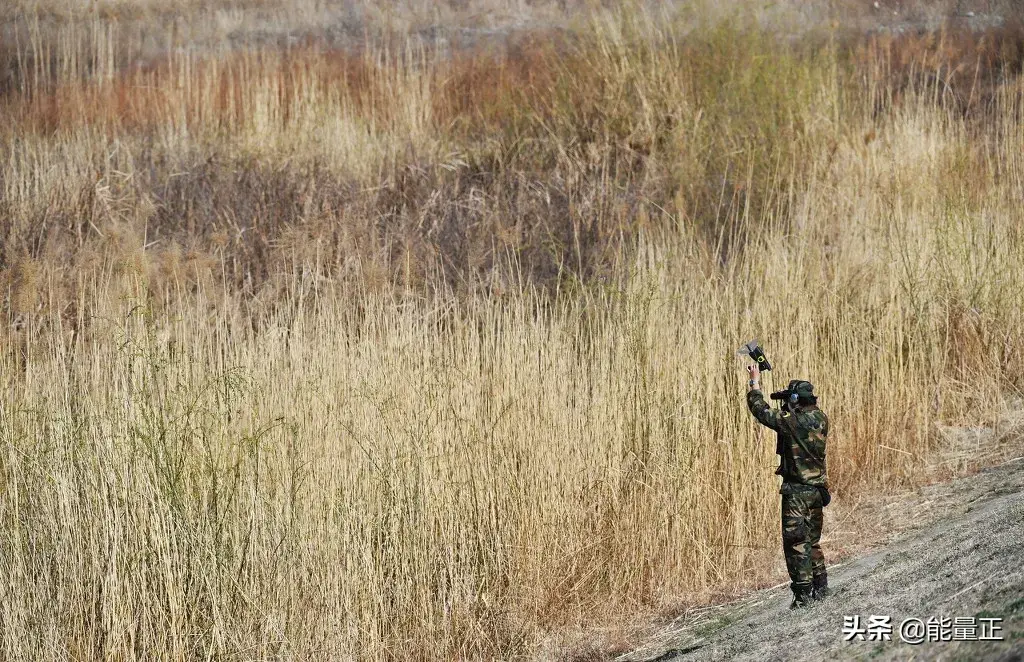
[(801, 488), (795, 488)]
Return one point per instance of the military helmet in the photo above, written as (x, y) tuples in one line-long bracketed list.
[(804, 390), (799, 390)]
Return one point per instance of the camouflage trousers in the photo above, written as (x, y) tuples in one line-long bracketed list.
[(801, 533)]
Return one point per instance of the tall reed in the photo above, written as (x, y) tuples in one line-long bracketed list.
[(316, 355)]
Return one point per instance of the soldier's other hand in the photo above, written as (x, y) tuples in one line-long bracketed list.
[(754, 372)]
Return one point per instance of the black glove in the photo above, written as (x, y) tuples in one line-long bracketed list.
[(826, 498)]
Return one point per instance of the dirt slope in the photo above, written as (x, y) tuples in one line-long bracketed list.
[(966, 558)]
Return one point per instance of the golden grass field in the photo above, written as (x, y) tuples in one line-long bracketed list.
[(392, 351)]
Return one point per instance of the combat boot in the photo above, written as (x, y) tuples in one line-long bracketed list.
[(802, 596), (821, 589)]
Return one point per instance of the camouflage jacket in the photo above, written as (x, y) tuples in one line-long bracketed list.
[(801, 439)]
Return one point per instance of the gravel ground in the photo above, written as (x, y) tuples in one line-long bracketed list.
[(964, 558)]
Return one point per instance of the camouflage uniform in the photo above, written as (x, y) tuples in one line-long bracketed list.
[(802, 430)]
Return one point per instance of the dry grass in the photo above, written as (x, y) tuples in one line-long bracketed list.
[(392, 354)]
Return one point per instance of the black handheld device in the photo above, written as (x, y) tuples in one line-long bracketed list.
[(754, 351)]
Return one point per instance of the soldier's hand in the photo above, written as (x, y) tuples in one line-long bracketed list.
[(754, 372)]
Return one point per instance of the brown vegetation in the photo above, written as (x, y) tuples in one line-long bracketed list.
[(399, 353)]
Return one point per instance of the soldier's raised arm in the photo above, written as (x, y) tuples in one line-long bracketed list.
[(761, 410)]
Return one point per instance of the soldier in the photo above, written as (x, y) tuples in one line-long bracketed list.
[(802, 430)]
